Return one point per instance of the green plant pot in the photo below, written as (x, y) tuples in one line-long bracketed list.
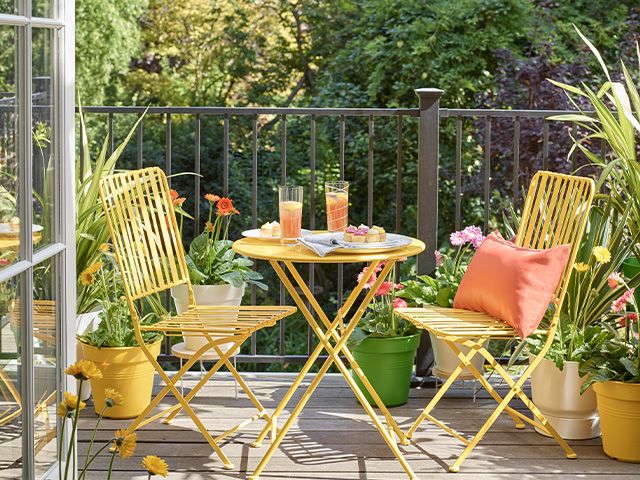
[(387, 363), (631, 268)]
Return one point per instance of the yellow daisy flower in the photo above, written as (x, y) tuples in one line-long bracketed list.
[(112, 397), (104, 247), (581, 267), (87, 278), (83, 370), (124, 443), (69, 404), (155, 465), (601, 254), (95, 267)]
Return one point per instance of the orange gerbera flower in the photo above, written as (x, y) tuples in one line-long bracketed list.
[(174, 194), (179, 201), (211, 197), (208, 226), (225, 206)]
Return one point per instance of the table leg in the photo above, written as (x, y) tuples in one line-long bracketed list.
[(333, 358)]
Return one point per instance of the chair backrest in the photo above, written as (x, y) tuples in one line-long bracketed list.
[(555, 212), (144, 232)]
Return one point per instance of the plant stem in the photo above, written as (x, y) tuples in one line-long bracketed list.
[(93, 437), (64, 422), (73, 434), (93, 457), (113, 457)]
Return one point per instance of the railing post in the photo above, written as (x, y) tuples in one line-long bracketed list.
[(428, 138)]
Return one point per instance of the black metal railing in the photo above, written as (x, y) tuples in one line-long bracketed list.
[(430, 125)]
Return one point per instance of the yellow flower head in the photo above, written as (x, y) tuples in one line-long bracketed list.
[(581, 267), (124, 443), (155, 465), (601, 254), (83, 370), (104, 247), (95, 267), (69, 404), (112, 397), (87, 278)]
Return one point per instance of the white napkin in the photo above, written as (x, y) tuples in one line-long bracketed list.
[(321, 243)]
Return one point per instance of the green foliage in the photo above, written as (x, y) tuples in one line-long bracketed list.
[(380, 322)]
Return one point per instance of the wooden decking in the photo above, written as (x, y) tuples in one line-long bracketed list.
[(333, 439)]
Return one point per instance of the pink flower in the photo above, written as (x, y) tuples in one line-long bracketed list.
[(380, 266), (439, 259), (628, 318), (384, 288), (470, 234), (614, 280), (370, 282), (4, 262), (398, 286), (399, 303), (457, 239), (620, 303)]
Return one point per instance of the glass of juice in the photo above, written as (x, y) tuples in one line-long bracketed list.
[(290, 206), (337, 198)]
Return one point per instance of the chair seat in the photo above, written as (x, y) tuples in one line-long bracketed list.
[(451, 322), (221, 321)]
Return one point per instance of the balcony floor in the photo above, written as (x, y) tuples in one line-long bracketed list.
[(333, 439)]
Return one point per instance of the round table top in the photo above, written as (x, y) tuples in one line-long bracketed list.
[(261, 250)]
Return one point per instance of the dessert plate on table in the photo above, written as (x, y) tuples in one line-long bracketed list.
[(394, 241), (255, 233)]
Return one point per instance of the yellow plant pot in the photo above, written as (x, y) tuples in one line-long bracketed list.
[(126, 370), (619, 407)]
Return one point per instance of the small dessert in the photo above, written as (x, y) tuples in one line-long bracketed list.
[(14, 224), (266, 230), (373, 235), (360, 235), (348, 233), (382, 235), (276, 229), (364, 228)]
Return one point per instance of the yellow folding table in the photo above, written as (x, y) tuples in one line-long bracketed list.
[(333, 337)]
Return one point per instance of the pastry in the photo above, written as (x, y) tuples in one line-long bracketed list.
[(359, 236), (266, 230), (382, 237), (276, 229), (373, 235), (363, 228), (348, 233)]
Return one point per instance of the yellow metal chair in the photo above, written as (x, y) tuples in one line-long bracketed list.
[(150, 256), (555, 212)]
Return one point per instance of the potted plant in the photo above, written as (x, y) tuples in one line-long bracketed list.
[(218, 276), (113, 344), (614, 371), (440, 289), (385, 345), (555, 384)]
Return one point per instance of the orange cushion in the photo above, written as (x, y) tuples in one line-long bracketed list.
[(511, 283)]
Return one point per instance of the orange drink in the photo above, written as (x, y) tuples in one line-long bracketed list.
[(290, 206), (337, 199)]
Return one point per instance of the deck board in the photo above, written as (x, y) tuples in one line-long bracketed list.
[(333, 439)]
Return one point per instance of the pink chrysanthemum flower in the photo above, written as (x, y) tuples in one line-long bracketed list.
[(614, 280), (399, 303), (439, 258), (384, 288), (620, 303), (457, 239)]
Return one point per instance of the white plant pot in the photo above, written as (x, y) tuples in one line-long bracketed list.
[(85, 323), (446, 361), (557, 394), (206, 295)]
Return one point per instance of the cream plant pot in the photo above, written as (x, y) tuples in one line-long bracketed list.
[(85, 323), (557, 394), (206, 295), (446, 361)]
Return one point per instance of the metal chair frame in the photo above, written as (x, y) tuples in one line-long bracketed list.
[(150, 256), (555, 212)]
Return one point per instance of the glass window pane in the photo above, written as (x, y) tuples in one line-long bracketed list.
[(45, 293), (10, 391), (41, 8), (9, 6), (43, 148), (9, 223)]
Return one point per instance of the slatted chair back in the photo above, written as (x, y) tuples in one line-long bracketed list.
[(145, 234), (555, 212)]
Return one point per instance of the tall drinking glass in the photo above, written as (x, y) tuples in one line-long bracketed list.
[(290, 206), (337, 198)]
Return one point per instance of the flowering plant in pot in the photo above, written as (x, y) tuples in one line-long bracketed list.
[(555, 384), (218, 276), (384, 345), (113, 343), (440, 289)]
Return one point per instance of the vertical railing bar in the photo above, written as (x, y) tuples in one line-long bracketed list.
[(399, 169), (603, 150), (139, 143), (573, 158), (197, 147), (458, 201), (167, 168), (111, 140), (225, 156), (312, 216), (545, 144), (283, 181), (487, 170), (81, 150), (254, 211), (341, 147), (516, 160), (370, 173)]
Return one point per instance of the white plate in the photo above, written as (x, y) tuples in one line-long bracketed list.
[(7, 229), (255, 233), (394, 241)]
